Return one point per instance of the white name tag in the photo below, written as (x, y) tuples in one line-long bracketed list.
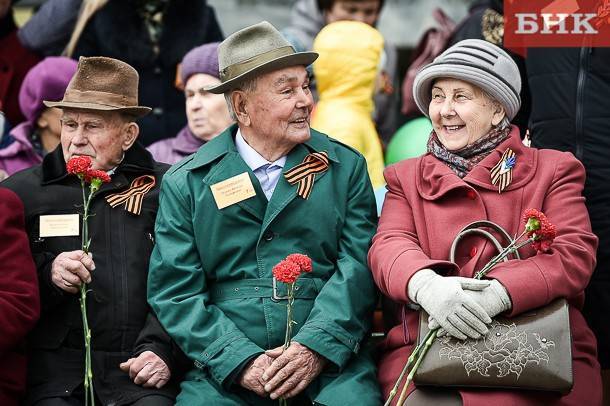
[(59, 225), (233, 190)]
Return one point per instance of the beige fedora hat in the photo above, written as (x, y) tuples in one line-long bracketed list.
[(102, 83), (254, 50)]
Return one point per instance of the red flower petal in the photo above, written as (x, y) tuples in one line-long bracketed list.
[(544, 235), (286, 271), (91, 174), (78, 165), (302, 260)]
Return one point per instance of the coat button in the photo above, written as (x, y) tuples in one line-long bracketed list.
[(268, 236), (471, 194), (473, 252)]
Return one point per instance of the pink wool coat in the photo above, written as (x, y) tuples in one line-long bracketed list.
[(426, 206)]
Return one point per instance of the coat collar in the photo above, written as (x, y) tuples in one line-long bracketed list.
[(225, 143), (185, 142), (137, 159), (435, 179), (229, 163)]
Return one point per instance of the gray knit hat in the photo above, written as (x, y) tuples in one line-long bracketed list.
[(201, 59), (478, 62)]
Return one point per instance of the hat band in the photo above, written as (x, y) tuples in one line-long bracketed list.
[(240, 68), (105, 98)]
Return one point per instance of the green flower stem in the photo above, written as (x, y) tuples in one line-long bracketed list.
[(289, 323), (88, 380), (512, 247), (430, 337), (410, 361)]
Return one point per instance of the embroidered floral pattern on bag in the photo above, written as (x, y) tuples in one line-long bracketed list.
[(503, 351)]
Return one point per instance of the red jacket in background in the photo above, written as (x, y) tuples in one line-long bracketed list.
[(15, 62), (19, 299)]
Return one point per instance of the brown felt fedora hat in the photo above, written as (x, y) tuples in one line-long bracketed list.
[(102, 83), (254, 50)]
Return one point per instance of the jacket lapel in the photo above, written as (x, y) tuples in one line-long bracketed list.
[(230, 164), (523, 172), (284, 192), (437, 179)]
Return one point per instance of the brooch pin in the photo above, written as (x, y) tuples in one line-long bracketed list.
[(502, 172)]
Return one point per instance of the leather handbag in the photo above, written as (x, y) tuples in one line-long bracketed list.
[(530, 351)]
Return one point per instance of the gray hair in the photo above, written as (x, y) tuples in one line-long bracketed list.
[(505, 122), (247, 86)]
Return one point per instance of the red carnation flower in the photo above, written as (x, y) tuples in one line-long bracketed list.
[(286, 271), (539, 229), (92, 174), (78, 165), (302, 260)]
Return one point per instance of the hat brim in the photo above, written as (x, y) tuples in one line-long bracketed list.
[(137, 111), (296, 59)]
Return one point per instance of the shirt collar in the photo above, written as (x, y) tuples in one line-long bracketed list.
[(252, 158)]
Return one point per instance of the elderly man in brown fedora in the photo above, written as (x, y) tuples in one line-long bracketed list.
[(134, 360), (265, 188)]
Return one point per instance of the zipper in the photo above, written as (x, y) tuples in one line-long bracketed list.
[(580, 94)]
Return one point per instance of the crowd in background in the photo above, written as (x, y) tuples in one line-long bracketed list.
[(359, 92)]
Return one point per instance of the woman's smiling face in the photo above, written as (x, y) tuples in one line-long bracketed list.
[(461, 113)]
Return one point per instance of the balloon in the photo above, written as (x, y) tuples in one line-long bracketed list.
[(409, 141)]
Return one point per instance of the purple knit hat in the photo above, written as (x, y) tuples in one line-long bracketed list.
[(45, 81), (202, 59)]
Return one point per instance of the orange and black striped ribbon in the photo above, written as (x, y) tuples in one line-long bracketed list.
[(132, 197), (305, 173), (502, 173)]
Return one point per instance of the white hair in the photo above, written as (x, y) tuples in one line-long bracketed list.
[(247, 86)]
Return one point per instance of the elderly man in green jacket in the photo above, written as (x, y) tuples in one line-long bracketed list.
[(265, 188)]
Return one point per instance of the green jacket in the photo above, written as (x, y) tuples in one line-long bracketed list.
[(210, 271)]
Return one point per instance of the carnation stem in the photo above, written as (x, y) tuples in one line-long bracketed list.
[(88, 380), (290, 302), (410, 361), (430, 337), (503, 254)]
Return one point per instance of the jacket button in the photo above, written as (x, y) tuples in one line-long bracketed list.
[(473, 252), (268, 236), (471, 194)]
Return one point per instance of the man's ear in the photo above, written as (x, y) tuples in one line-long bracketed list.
[(131, 131), (41, 121), (240, 105)]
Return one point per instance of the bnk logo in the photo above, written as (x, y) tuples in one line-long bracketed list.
[(556, 23)]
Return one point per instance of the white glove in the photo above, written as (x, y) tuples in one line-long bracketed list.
[(494, 299), (445, 300)]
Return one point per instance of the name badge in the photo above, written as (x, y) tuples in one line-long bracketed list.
[(233, 190), (59, 225)]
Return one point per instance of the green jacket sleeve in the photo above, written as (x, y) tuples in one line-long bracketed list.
[(342, 313), (178, 294)]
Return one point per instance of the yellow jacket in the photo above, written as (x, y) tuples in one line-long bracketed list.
[(345, 73)]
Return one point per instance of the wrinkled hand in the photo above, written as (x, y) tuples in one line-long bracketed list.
[(292, 370), (493, 299), (445, 300), (147, 369), (70, 269), (251, 376)]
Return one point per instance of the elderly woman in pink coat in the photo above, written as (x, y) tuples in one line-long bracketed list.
[(470, 93)]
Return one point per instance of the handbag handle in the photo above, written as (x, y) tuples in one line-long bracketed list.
[(476, 228)]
